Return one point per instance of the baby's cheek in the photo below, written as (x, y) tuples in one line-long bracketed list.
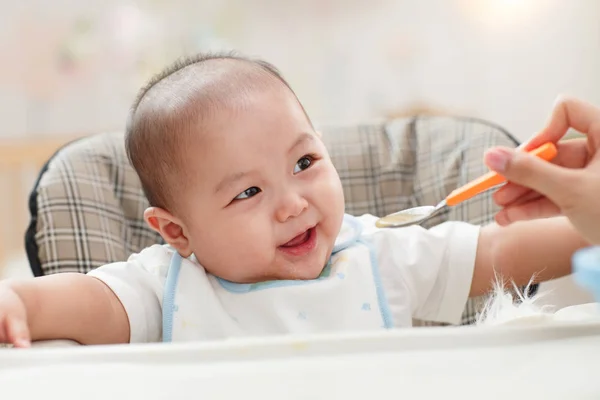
[(253, 258), (248, 244), (332, 196), (238, 259)]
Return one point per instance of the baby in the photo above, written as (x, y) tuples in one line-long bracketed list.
[(244, 193)]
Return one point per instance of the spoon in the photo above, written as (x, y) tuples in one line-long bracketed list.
[(418, 215)]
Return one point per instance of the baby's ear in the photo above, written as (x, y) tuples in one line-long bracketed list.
[(170, 228)]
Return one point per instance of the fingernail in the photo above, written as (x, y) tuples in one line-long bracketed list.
[(497, 159)]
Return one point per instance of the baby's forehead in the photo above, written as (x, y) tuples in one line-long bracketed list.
[(200, 102), (213, 83)]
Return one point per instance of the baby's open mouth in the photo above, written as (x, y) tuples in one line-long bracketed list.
[(298, 240), (301, 244)]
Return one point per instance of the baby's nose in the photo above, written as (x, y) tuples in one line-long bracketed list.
[(291, 206)]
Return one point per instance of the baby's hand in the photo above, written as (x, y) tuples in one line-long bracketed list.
[(13, 318)]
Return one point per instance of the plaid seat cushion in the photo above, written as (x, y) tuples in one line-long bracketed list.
[(87, 206)]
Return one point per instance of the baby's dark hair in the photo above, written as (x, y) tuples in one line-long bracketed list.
[(169, 107)]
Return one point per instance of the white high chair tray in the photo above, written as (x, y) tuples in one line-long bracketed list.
[(557, 362)]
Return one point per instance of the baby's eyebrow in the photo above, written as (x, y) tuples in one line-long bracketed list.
[(304, 137), (229, 180)]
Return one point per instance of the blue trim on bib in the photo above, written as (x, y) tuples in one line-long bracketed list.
[(384, 307), (168, 307), (252, 287)]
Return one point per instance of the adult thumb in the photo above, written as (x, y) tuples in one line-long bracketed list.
[(530, 171)]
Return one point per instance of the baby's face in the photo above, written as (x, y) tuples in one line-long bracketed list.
[(264, 201)]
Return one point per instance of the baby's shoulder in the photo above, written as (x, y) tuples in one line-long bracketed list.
[(154, 259)]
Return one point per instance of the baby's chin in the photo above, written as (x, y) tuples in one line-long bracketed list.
[(299, 272), (312, 271), (306, 275), (282, 269)]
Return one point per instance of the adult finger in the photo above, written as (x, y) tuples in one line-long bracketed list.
[(510, 193), (526, 198), (568, 112), (573, 153), (540, 208), (530, 171)]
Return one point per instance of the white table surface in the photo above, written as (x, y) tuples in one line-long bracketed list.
[(557, 362)]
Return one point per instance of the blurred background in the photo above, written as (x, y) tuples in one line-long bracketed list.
[(72, 67)]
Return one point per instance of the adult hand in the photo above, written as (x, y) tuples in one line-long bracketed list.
[(569, 185)]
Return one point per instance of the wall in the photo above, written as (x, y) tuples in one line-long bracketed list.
[(73, 66)]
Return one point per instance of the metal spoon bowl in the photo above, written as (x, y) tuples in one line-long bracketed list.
[(410, 216)]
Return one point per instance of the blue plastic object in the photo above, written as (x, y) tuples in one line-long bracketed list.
[(586, 269)]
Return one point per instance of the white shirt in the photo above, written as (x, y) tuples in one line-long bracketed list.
[(424, 274)]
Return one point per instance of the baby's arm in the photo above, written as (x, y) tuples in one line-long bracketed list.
[(63, 306), (539, 249)]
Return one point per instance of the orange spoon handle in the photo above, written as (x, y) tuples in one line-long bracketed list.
[(546, 151)]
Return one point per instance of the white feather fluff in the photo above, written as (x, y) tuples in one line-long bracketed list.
[(513, 307)]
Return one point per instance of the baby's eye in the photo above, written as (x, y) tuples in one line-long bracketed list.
[(303, 164), (246, 194)]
